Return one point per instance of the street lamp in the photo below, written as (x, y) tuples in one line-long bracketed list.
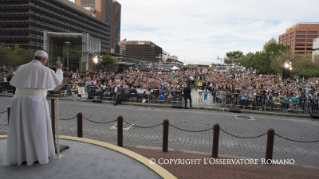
[(95, 61), (67, 44), (286, 70)]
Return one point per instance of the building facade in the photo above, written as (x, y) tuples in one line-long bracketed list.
[(300, 37), (108, 11), (116, 27), (145, 50), (315, 47), (23, 22)]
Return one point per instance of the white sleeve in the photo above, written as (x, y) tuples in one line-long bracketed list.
[(59, 74)]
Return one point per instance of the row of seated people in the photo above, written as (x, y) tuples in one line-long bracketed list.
[(264, 101), (136, 94)]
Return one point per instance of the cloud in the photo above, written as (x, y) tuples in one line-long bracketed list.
[(204, 29)]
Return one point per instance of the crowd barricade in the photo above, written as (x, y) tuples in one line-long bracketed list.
[(91, 90), (221, 98), (256, 102), (108, 93)]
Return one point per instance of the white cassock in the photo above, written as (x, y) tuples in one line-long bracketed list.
[(30, 136)]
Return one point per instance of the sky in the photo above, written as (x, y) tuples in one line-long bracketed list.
[(201, 30)]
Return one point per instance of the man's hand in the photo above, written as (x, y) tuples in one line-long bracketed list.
[(58, 65)]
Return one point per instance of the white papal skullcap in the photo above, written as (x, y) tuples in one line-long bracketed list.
[(41, 53)]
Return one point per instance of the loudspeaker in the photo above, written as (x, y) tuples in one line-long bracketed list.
[(177, 105), (315, 115), (236, 110), (96, 99)]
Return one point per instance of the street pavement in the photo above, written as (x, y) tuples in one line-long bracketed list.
[(294, 128)]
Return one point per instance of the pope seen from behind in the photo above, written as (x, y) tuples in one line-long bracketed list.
[(30, 136)]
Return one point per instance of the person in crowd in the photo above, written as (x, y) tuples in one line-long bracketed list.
[(200, 94), (187, 95), (205, 94)]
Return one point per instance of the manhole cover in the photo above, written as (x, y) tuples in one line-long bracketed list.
[(245, 117), (126, 126)]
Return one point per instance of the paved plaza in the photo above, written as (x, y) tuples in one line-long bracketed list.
[(296, 128), (83, 160)]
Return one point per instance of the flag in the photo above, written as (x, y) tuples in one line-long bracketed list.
[(122, 42)]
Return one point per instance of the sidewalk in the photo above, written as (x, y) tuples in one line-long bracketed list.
[(202, 170)]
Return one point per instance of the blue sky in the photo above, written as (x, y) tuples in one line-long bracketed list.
[(204, 29)]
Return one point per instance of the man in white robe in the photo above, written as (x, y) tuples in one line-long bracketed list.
[(30, 136)]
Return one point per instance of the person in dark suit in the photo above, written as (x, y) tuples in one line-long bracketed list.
[(187, 94)]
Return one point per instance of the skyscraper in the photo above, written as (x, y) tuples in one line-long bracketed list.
[(116, 27), (108, 11)]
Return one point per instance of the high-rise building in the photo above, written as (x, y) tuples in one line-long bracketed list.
[(108, 11), (300, 37), (23, 22), (145, 50), (116, 27)]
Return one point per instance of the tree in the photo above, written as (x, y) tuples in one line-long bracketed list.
[(304, 64), (277, 64), (4, 53), (272, 48), (108, 59), (20, 56), (233, 56)]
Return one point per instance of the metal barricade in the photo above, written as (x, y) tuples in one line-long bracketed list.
[(108, 93), (221, 98)]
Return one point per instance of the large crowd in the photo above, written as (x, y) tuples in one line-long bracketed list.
[(236, 88)]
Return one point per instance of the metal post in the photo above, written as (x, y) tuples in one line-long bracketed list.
[(215, 141), (270, 143), (53, 119), (120, 131), (8, 113), (165, 135), (57, 131), (80, 124)]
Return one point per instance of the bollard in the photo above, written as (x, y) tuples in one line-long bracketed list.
[(270, 144), (8, 113), (80, 124), (120, 131), (215, 141), (165, 135)]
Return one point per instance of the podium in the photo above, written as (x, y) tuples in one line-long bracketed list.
[(55, 118)]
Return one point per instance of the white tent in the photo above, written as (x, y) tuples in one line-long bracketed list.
[(175, 68)]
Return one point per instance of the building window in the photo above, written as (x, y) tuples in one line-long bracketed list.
[(312, 36), (312, 32), (301, 36), (301, 40), (300, 44), (301, 32)]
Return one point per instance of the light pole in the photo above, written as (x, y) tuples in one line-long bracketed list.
[(67, 44), (95, 61), (286, 70)]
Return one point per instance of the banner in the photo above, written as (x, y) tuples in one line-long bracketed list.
[(81, 90)]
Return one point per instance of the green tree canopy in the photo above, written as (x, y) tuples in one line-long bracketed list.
[(20, 56), (277, 64), (108, 59), (4, 54), (233, 56)]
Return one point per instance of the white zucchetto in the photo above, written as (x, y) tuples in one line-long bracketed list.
[(41, 53)]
